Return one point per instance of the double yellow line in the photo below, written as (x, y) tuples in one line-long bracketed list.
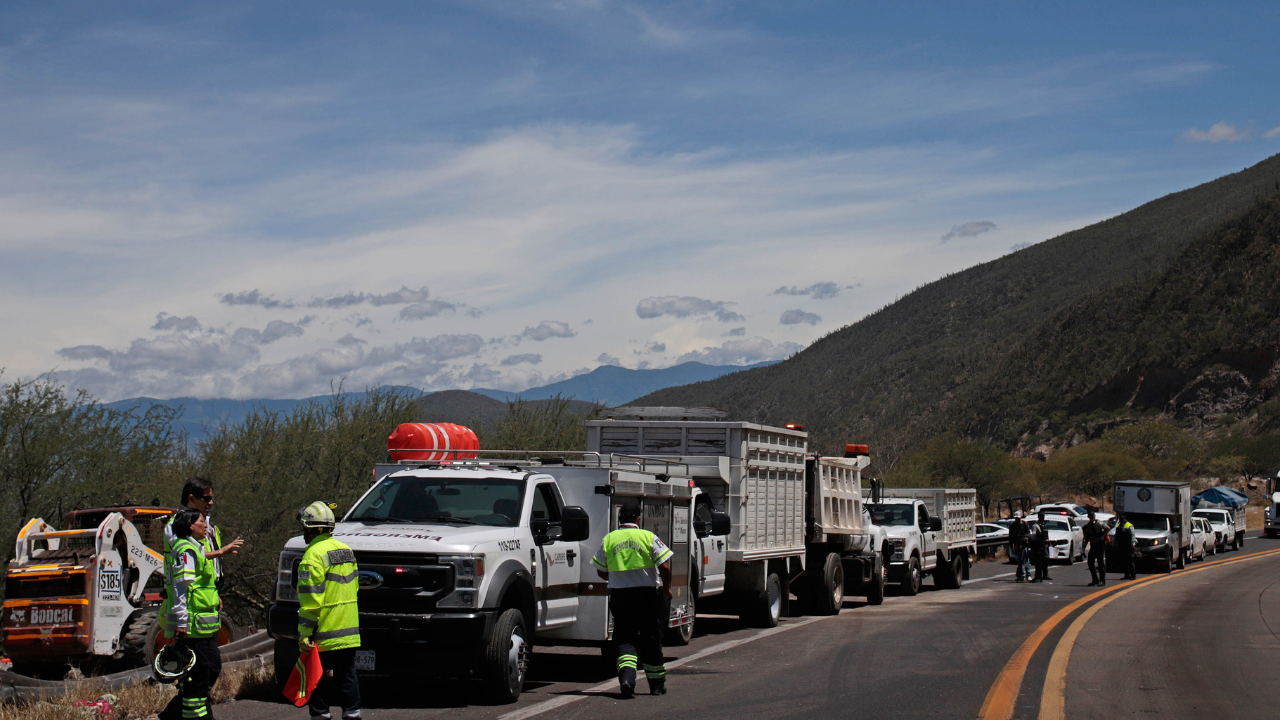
[(1002, 698)]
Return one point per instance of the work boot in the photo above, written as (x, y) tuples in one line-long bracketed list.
[(657, 686), (627, 690)]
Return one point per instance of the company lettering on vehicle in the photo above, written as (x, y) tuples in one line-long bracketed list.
[(436, 538), (43, 616), (508, 545)]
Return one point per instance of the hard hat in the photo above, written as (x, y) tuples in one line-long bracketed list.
[(1017, 513), (173, 662), (318, 514)]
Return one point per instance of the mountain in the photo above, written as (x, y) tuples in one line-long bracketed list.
[(953, 354), (466, 407), (613, 385)]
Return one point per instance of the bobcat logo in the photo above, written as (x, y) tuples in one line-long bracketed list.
[(19, 616)]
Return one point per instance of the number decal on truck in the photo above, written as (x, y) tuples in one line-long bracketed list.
[(508, 545), (109, 584)]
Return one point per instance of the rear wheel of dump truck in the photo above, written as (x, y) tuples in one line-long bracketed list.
[(910, 584), (506, 658), (765, 609), (828, 597), (1236, 542)]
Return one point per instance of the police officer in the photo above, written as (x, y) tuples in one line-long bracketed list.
[(1018, 546), (1095, 538), (1126, 539), (328, 616), (191, 614), (637, 565), (1040, 548)]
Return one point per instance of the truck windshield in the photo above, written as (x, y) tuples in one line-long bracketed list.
[(469, 501), (1158, 524), (892, 514), (1211, 516)]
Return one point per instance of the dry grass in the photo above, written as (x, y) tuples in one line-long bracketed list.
[(143, 700)]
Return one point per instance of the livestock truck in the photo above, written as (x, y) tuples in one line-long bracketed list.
[(931, 531), (1161, 516)]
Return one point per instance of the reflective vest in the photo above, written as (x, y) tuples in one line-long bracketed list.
[(212, 541), (201, 591), (327, 582), (631, 557)]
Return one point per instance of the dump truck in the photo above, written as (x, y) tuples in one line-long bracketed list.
[(87, 595), (931, 531)]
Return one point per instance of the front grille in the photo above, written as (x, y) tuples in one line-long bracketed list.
[(411, 582), (364, 557)]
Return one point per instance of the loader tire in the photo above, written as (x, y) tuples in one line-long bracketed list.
[(829, 595), (136, 638)]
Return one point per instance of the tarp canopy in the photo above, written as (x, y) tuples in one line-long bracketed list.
[(1219, 497)]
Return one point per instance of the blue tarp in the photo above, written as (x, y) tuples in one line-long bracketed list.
[(1219, 497)]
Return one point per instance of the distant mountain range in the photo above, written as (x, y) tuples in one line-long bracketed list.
[(607, 384)]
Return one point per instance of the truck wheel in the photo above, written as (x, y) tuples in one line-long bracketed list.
[(680, 634), (1071, 553), (1235, 543), (134, 646), (506, 658), (910, 585), (284, 658), (880, 577), (945, 576), (765, 609), (830, 596), (1181, 562)]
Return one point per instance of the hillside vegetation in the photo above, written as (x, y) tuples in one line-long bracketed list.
[(921, 365)]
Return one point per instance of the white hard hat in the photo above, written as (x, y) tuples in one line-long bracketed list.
[(1017, 513), (172, 663), (318, 514)]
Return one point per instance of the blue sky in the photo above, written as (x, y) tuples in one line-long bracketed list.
[(564, 184)]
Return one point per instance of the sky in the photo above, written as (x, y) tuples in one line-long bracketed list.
[(264, 199)]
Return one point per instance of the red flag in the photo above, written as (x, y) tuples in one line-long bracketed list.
[(305, 677)]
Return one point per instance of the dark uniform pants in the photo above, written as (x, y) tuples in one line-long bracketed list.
[(1041, 557), (638, 615), (338, 685), (1098, 563), (192, 702)]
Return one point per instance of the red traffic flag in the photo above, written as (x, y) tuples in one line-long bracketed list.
[(306, 675)]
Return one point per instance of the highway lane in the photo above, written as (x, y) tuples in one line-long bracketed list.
[(1197, 646), (934, 655)]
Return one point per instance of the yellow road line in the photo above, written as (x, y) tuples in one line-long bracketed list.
[(1002, 697), (1053, 698)]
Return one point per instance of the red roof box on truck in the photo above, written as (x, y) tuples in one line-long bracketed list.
[(429, 441), (853, 450)]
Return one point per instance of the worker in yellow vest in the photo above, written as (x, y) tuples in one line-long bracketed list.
[(637, 565), (191, 614), (329, 616)]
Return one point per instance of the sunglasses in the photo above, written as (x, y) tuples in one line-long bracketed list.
[(206, 498)]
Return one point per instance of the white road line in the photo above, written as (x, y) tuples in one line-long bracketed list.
[(562, 700), (993, 577)]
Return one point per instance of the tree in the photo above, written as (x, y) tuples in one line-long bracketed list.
[(1258, 456), (952, 461), (1092, 468)]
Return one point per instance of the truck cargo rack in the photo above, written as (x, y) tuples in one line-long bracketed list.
[(533, 459)]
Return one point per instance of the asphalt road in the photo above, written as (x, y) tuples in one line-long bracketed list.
[(1190, 644)]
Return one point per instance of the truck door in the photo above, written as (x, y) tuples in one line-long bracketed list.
[(928, 539), (558, 568), (710, 554)]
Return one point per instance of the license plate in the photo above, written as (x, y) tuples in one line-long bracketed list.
[(365, 660)]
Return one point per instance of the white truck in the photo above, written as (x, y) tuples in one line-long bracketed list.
[(1228, 524), (1161, 516), (930, 530), (465, 564), (1271, 516)]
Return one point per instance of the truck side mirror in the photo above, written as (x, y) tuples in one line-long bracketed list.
[(575, 524), (700, 529), (935, 523), (720, 523)]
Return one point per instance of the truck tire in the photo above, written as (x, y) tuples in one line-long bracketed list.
[(1071, 552), (284, 658), (680, 635), (1236, 542), (910, 585), (879, 578), (506, 659), (765, 609), (1181, 562), (830, 596), (135, 639), (945, 576)]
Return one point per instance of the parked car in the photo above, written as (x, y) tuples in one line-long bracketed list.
[(1223, 526), (1079, 514), (991, 531), (1066, 539)]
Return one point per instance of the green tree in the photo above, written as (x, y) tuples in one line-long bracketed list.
[(1257, 456), (951, 461), (1092, 468), (543, 425)]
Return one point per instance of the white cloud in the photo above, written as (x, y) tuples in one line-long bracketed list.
[(253, 297), (531, 358), (797, 317), (1219, 132), (548, 329), (818, 291), (742, 352), (423, 310), (685, 306), (165, 321), (969, 229), (736, 332), (403, 296), (1273, 132)]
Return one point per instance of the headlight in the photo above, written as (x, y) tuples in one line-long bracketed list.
[(285, 589), (468, 574)]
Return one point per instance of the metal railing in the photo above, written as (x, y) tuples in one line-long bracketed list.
[(534, 458)]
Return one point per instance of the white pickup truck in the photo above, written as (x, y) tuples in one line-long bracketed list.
[(929, 530), (1228, 525), (464, 565)]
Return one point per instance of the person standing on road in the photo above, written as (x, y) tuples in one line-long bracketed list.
[(637, 565), (197, 494), (191, 613), (1095, 538), (1019, 545), (1126, 539), (329, 616), (1040, 549)]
